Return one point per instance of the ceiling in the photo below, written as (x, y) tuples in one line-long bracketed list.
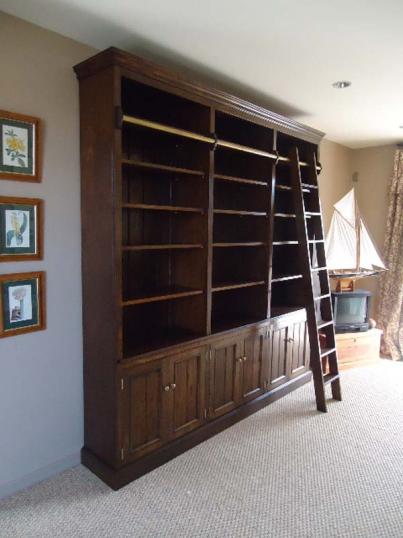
[(285, 54)]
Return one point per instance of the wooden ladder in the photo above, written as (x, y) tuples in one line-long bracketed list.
[(316, 287)]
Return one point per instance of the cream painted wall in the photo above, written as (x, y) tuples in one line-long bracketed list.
[(335, 179), (41, 403), (373, 168)]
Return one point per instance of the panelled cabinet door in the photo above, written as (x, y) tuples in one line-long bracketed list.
[(224, 375), (277, 353), (144, 406), (187, 385), (297, 349), (252, 382)]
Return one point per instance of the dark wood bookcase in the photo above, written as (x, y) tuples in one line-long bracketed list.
[(191, 271)]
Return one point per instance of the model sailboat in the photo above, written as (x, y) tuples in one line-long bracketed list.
[(350, 252)]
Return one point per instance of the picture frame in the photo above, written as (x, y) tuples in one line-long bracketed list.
[(22, 303), (21, 229), (20, 147)]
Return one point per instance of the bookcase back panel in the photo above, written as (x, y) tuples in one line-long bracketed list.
[(243, 132), (149, 273), (151, 326), (163, 188), (235, 228), (155, 227), (239, 265), (239, 164), (156, 105), (146, 145), (232, 195)]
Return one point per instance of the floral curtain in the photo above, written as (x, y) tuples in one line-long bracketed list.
[(390, 310)]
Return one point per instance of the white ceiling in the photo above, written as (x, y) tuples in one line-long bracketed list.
[(284, 53)]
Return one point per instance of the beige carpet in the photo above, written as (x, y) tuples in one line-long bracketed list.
[(285, 472)]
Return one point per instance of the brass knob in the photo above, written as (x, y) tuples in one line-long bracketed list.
[(244, 358), (166, 388), (239, 359), (173, 386)]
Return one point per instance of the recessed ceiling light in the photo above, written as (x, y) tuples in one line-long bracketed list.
[(341, 84)]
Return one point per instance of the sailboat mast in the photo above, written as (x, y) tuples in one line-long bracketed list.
[(357, 234)]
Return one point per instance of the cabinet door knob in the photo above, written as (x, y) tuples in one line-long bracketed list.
[(245, 358), (173, 386), (166, 388), (239, 359)]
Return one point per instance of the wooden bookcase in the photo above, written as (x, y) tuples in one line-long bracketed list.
[(191, 274)]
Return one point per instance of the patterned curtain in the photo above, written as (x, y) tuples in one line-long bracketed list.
[(390, 311)]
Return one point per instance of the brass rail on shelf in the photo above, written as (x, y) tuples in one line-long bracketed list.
[(206, 139)]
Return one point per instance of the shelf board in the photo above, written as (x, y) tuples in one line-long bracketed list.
[(239, 212), (173, 208), (285, 277), (244, 180), (277, 243), (285, 215), (164, 246), (236, 285), (240, 244), (218, 326), (162, 167), (166, 294)]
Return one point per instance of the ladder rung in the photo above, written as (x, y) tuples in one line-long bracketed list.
[(329, 378), (322, 323), (320, 297), (309, 186), (325, 351), (316, 241), (312, 213), (314, 269)]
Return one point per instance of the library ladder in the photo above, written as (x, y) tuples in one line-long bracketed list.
[(316, 288)]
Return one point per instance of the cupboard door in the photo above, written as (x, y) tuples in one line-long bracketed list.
[(297, 349), (277, 357), (144, 409), (252, 365), (224, 370), (187, 382)]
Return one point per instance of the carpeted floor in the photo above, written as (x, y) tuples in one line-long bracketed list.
[(285, 472)]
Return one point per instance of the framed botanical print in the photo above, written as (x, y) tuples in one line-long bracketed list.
[(21, 229), (22, 303), (19, 147)]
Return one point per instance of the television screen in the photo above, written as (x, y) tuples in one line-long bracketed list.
[(351, 310)]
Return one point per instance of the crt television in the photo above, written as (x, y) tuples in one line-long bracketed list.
[(351, 310)]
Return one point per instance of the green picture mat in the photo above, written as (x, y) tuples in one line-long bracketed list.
[(8, 326), (32, 249), (29, 169)]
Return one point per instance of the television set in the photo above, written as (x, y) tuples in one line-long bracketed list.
[(351, 310)]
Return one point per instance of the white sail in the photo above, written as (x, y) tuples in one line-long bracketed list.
[(341, 240)]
